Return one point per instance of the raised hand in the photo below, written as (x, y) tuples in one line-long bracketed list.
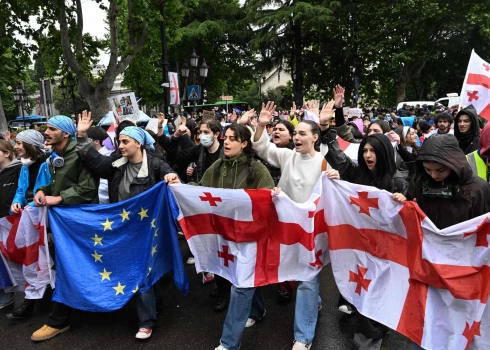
[(313, 106), (181, 130), (266, 114), (327, 112), (292, 112), (245, 118), (338, 93), (84, 123)]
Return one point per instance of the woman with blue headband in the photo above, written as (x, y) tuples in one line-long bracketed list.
[(130, 173)]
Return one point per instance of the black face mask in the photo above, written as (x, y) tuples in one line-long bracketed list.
[(444, 190)]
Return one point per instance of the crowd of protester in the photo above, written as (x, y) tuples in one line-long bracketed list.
[(437, 157)]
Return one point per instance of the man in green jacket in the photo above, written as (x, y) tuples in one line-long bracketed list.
[(71, 183), (479, 159)]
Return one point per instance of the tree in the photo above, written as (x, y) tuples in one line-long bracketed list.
[(14, 54), (283, 32), (80, 51)]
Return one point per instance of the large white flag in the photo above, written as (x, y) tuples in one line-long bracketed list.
[(23, 244), (388, 259), (476, 86)]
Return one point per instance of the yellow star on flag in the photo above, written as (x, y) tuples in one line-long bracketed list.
[(97, 256), (119, 289), (105, 275), (153, 223), (153, 250), (143, 213), (156, 234), (135, 290), (125, 215), (149, 270), (97, 240), (107, 224)]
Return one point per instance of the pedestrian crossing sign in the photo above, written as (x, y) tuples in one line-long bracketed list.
[(193, 92)]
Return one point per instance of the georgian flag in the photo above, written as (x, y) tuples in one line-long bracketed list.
[(173, 78), (251, 237), (388, 259), (24, 249), (476, 86)]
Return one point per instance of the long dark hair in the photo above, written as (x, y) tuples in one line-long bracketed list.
[(290, 127), (242, 134), (382, 175), (315, 130)]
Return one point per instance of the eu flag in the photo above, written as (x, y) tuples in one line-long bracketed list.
[(5, 280), (105, 254)]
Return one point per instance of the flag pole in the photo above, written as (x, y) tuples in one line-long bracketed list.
[(465, 80)]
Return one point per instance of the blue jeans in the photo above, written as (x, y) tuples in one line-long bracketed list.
[(306, 312), (244, 303), (416, 347), (146, 307), (5, 298)]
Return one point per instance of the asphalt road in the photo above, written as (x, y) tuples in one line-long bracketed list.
[(189, 322)]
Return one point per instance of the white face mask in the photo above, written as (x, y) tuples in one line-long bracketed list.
[(207, 140)]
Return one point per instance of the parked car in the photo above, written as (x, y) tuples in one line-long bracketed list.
[(451, 100)]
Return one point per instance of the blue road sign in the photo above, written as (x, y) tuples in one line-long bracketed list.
[(193, 92)]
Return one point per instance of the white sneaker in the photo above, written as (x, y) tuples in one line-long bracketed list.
[(345, 309), (297, 345), (143, 333), (251, 321), (191, 261), (220, 347)]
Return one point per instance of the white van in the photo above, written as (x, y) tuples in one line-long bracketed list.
[(451, 100), (429, 104)]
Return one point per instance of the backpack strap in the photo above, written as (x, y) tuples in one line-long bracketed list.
[(155, 165), (324, 164), (244, 173)]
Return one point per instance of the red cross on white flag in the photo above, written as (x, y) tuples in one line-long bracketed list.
[(476, 86), (174, 88)]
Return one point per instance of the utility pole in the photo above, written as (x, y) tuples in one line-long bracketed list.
[(164, 61)]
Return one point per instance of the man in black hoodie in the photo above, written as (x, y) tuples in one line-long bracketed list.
[(467, 129)]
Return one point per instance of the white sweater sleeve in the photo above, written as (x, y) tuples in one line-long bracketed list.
[(269, 152)]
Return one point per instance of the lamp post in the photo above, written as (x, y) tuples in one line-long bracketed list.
[(20, 97), (192, 69), (71, 84)]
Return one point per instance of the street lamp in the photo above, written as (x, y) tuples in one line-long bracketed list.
[(203, 69), (192, 70), (184, 71), (63, 89), (194, 59), (20, 97), (71, 84)]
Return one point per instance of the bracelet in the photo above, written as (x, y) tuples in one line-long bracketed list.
[(324, 124), (160, 127)]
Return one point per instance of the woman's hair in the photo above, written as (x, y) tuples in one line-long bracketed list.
[(315, 130), (382, 175), (5, 147), (290, 127), (32, 152), (383, 124), (242, 134)]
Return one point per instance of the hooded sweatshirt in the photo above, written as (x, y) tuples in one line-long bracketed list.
[(461, 196), (9, 178), (468, 142)]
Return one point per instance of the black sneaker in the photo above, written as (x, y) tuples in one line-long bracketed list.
[(222, 303), (23, 312)]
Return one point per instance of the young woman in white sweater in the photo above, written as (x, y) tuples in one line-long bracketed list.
[(301, 168)]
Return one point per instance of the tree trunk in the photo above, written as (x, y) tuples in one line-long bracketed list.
[(3, 118), (401, 94), (298, 58), (98, 103)]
